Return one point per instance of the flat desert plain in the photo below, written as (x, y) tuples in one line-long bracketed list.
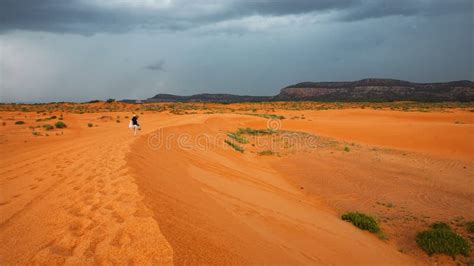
[(191, 188)]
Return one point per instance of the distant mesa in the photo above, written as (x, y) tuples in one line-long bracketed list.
[(371, 90), (379, 90), (208, 97)]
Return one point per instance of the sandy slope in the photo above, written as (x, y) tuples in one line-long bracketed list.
[(96, 195), (69, 199), (217, 206)]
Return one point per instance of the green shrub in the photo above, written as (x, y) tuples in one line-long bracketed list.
[(110, 100), (440, 226), (19, 122), (363, 221), (269, 116), (266, 152), (60, 124), (235, 146), (237, 137), (470, 226), (442, 240), (250, 131), (48, 127), (90, 125), (346, 149)]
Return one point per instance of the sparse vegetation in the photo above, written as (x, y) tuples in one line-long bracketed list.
[(234, 146), (362, 221), (440, 226), (4, 123), (19, 122), (269, 116), (470, 226), (48, 127), (441, 239), (60, 124), (266, 153), (346, 149), (255, 132), (110, 100), (90, 125), (238, 137)]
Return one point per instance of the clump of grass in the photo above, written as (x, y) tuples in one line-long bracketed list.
[(362, 221), (440, 226), (60, 124), (35, 133), (440, 239), (90, 124), (48, 127), (267, 116), (19, 122), (234, 146), (254, 132), (237, 137), (470, 226), (346, 149), (266, 152), (118, 121)]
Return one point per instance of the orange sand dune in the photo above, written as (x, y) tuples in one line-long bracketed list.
[(215, 206), (178, 194)]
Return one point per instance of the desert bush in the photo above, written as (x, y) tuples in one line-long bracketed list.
[(19, 122), (110, 100), (48, 127), (440, 226), (362, 221), (90, 125), (440, 239), (251, 131), (4, 123), (269, 116), (346, 149), (470, 226), (266, 152), (60, 124), (234, 146), (238, 138)]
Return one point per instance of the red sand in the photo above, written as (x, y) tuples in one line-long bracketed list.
[(99, 195)]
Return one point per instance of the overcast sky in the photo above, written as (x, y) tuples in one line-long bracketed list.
[(78, 50)]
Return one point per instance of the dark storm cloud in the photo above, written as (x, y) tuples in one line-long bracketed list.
[(91, 16), (156, 66), (384, 8)]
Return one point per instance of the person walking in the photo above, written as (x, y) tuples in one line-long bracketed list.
[(134, 124)]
